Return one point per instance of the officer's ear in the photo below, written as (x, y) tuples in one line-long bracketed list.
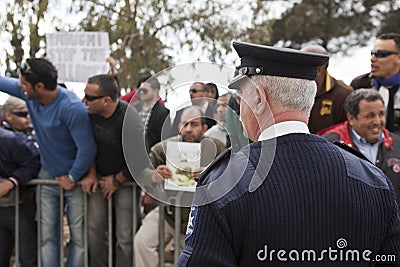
[(261, 101)]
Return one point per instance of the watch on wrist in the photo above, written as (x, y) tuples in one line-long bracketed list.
[(116, 183), (70, 178)]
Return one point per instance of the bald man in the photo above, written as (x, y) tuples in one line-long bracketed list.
[(192, 126), (329, 100)]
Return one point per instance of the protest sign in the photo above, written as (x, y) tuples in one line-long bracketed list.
[(78, 55)]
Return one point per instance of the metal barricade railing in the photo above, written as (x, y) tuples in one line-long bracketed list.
[(17, 224), (161, 235), (41, 182)]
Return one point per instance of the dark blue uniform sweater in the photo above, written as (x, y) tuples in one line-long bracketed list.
[(293, 200)]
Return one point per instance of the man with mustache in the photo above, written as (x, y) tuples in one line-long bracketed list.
[(192, 127)]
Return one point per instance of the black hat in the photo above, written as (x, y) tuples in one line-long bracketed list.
[(274, 61)]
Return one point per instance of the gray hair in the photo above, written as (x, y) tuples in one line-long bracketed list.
[(353, 99), (290, 93), (13, 103)]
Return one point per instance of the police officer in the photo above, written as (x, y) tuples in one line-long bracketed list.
[(290, 197)]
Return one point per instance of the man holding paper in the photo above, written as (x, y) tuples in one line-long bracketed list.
[(192, 128)]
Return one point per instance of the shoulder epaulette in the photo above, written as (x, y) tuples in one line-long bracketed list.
[(351, 150), (224, 154)]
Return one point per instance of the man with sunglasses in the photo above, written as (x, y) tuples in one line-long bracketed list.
[(154, 115), (20, 162), (111, 120), (16, 117), (155, 121), (199, 97), (385, 76), (67, 149)]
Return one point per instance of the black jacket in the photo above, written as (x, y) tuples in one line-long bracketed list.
[(158, 124), (19, 158), (362, 81)]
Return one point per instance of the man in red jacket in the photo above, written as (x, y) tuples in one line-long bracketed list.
[(365, 131)]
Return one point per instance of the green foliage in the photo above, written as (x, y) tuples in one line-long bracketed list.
[(336, 25), (146, 35), (23, 17), (137, 28), (391, 20)]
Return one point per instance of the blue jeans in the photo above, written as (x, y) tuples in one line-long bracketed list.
[(50, 223), (98, 227)]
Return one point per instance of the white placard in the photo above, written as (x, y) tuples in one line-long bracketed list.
[(78, 55), (182, 159)]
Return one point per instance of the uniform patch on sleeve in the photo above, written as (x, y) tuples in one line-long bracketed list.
[(192, 222)]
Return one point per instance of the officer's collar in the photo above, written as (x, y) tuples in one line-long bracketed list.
[(283, 128)]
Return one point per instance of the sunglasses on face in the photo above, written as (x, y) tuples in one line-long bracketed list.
[(194, 91), (143, 90), (93, 97), (22, 114), (383, 53)]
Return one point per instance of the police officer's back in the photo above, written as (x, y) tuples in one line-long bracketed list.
[(289, 197)]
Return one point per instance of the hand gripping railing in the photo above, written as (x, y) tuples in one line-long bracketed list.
[(42, 182)]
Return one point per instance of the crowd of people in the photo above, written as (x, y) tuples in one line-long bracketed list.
[(47, 132)]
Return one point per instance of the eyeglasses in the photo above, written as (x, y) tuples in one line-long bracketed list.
[(93, 97), (383, 53), (194, 91), (22, 114), (143, 90)]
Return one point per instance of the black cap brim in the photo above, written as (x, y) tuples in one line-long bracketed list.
[(275, 61), (237, 81)]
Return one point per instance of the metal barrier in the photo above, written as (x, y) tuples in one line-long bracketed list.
[(41, 182)]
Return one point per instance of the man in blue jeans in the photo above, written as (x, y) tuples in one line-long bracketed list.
[(67, 148)]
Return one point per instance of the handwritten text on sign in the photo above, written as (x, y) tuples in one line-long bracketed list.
[(78, 55)]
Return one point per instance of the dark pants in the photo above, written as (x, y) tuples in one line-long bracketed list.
[(27, 231)]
